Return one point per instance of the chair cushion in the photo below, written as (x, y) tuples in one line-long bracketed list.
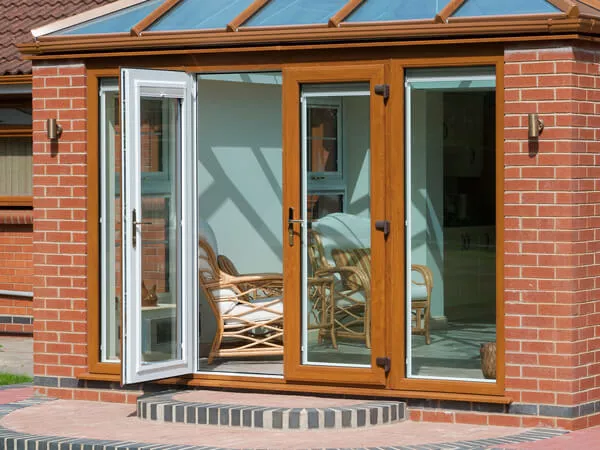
[(418, 292), (225, 300), (248, 313), (356, 257)]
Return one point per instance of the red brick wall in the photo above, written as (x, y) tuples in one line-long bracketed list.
[(16, 271), (552, 207), (59, 232)]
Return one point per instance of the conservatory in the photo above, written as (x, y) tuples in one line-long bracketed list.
[(366, 197)]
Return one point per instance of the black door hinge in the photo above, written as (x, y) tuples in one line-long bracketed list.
[(383, 90), (383, 225), (385, 363)]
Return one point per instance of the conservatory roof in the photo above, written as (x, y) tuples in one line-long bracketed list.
[(165, 23)]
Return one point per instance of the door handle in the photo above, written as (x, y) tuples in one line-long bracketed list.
[(291, 222), (134, 223)]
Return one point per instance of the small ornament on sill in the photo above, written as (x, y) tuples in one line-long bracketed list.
[(487, 352), (149, 297)]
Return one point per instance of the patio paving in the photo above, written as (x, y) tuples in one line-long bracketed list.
[(80, 425)]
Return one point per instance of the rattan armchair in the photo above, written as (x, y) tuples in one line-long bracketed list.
[(352, 267), (248, 309)]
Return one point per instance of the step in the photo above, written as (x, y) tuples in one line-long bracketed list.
[(267, 411)]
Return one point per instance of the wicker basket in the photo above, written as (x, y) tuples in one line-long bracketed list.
[(488, 359)]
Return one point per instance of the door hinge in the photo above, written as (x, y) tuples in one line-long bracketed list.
[(385, 363), (383, 225), (382, 90)]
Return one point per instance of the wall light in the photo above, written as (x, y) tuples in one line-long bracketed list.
[(535, 126), (53, 129)]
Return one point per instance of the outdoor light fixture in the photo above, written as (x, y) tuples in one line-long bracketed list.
[(534, 126), (53, 129)]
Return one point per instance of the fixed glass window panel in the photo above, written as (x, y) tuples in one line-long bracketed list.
[(240, 241), (110, 212), (117, 22), (337, 254), (200, 15), (474, 8), (15, 166), (295, 12), (394, 10), (15, 116), (451, 212)]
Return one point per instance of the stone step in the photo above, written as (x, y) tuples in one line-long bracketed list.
[(267, 411)]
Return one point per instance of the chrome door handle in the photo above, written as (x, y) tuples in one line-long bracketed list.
[(134, 223)]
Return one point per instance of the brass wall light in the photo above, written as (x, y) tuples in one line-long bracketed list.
[(53, 129), (535, 126)]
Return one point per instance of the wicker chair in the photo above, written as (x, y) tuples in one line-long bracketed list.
[(349, 314), (340, 245), (248, 309)]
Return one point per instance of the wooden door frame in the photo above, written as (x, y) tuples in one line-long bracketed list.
[(398, 387), (397, 242), (293, 78)]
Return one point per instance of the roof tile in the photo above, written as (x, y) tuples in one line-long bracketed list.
[(19, 17)]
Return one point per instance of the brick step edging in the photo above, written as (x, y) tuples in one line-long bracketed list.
[(163, 408)]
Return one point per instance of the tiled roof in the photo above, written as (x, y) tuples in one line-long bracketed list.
[(19, 17)]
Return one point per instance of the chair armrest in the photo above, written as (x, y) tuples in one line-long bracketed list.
[(425, 273)]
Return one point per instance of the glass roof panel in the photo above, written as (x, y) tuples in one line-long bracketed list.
[(200, 14), (117, 22), (473, 8), (295, 12), (386, 10)]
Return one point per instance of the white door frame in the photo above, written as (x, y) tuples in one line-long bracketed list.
[(137, 83)]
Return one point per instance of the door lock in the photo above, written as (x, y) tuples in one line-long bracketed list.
[(134, 223)]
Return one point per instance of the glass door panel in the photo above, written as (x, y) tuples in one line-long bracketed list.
[(336, 286), (158, 267), (334, 256), (451, 216), (160, 262)]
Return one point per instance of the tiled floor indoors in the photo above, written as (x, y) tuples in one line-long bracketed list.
[(80, 425)]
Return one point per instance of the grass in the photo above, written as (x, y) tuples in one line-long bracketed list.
[(11, 378)]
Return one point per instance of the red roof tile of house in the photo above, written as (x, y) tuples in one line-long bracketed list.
[(19, 17)]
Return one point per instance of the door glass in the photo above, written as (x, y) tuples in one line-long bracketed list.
[(160, 259), (451, 240), (336, 209)]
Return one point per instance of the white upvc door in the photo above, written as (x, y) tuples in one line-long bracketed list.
[(158, 224)]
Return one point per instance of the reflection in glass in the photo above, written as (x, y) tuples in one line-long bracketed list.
[(111, 224), (386, 10), (295, 12), (159, 145), (240, 223), (322, 140), (200, 15), (121, 21), (336, 283), (451, 166), (474, 8)]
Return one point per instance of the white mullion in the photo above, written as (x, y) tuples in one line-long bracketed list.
[(304, 231), (408, 236)]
